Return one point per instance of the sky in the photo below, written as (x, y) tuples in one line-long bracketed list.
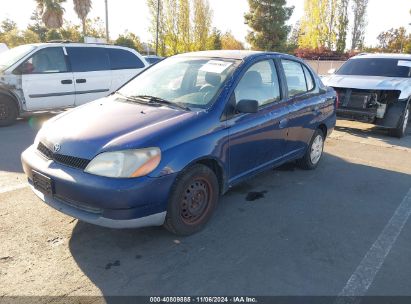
[(132, 15)]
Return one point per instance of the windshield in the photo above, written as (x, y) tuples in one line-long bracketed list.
[(10, 57), (189, 82), (385, 67)]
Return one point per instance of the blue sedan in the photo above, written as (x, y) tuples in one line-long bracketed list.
[(163, 148)]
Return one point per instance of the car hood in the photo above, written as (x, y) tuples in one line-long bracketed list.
[(370, 83), (109, 124)]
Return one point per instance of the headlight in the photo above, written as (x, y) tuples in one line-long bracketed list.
[(125, 164)]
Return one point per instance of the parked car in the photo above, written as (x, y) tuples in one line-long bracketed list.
[(159, 152), (153, 59), (52, 76), (375, 88)]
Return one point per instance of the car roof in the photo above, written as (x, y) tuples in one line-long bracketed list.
[(77, 44), (227, 54), (383, 55)]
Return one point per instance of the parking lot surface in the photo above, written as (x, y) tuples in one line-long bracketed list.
[(285, 232)]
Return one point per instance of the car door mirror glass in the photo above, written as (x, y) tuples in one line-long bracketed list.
[(247, 106)]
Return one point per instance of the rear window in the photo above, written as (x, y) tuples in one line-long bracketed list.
[(385, 67), (88, 59), (123, 60), (296, 79)]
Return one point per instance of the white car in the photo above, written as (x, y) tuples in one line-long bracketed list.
[(52, 76), (375, 88)]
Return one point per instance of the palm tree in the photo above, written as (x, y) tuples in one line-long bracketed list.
[(82, 8), (51, 12)]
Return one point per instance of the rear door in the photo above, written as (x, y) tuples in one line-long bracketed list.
[(47, 81), (124, 66), (91, 71), (257, 140), (304, 104)]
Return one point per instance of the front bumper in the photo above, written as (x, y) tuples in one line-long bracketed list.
[(108, 202)]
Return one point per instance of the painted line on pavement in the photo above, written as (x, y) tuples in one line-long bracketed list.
[(364, 275)]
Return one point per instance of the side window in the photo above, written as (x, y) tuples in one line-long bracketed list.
[(123, 60), (87, 59), (47, 60), (309, 79), (260, 83), (295, 76)]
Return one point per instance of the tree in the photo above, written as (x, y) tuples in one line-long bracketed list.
[(342, 25), (359, 9), (130, 40), (157, 28), (184, 26), (215, 40), (202, 23), (331, 21), (82, 9), (394, 40), (315, 24), (267, 19), (228, 42), (37, 26), (51, 12)]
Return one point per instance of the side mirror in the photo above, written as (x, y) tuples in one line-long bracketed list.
[(331, 71), (247, 106)]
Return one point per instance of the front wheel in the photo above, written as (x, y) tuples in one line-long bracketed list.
[(402, 128), (314, 152), (8, 112), (193, 199)]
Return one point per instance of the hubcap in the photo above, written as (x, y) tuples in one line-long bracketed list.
[(317, 149), (406, 117), (196, 201)]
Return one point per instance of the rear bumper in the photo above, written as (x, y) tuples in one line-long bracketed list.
[(114, 203)]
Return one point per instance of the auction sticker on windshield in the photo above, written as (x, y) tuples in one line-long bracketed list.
[(216, 66)]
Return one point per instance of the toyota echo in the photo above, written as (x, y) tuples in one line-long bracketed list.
[(164, 147)]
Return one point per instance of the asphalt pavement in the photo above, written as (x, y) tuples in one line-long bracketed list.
[(339, 229)]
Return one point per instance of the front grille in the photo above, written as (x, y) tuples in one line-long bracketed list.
[(71, 161)]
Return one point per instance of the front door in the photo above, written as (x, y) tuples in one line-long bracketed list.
[(257, 140), (46, 80), (92, 73)]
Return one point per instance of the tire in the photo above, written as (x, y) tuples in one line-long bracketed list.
[(314, 152), (8, 111), (402, 128), (193, 199)]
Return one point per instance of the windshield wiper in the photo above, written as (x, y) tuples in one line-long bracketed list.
[(158, 100)]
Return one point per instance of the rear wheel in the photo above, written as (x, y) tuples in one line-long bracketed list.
[(192, 201), (314, 152), (8, 111), (402, 128)]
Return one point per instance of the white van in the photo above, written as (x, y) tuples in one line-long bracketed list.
[(52, 76)]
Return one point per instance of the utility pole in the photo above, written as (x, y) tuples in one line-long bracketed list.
[(107, 33), (158, 22)]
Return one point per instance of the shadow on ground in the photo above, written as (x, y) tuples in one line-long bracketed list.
[(304, 235)]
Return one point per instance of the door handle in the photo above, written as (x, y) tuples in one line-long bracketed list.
[(283, 123), (81, 80), (67, 81)]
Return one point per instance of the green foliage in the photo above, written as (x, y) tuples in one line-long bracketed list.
[(130, 40), (342, 25), (228, 42), (215, 40), (51, 12), (183, 26), (359, 9), (394, 40), (82, 9), (267, 19)]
